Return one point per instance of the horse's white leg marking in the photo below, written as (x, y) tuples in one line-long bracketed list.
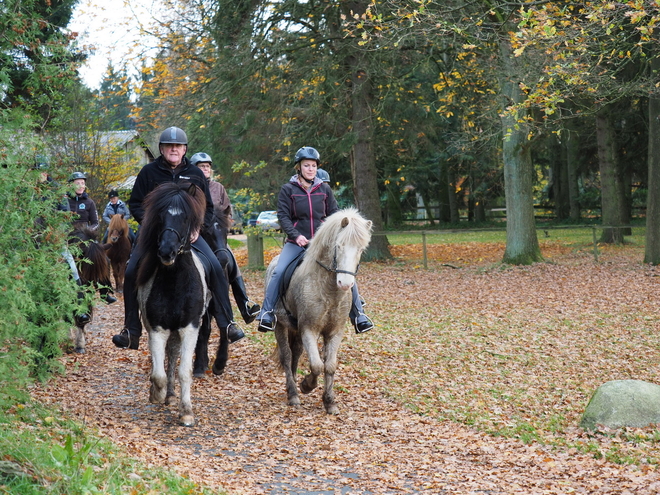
[(188, 341), (157, 340)]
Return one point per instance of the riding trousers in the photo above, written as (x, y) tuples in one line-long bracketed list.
[(220, 306), (290, 252)]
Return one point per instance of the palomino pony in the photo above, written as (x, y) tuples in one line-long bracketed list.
[(93, 268), (317, 303), (118, 248), (172, 290)]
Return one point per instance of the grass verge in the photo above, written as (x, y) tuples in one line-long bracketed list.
[(45, 453)]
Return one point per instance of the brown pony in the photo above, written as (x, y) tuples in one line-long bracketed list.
[(118, 248), (93, 268)]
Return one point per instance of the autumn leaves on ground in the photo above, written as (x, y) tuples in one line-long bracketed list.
[(473, 380)]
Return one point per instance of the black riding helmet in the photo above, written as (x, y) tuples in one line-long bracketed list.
[(173, 135), (307, 153), (77, 175)]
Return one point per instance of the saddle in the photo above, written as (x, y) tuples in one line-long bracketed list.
[(285, 279)]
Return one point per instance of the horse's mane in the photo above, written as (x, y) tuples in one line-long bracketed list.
[(185, 197), (119, 223), (346, 226)]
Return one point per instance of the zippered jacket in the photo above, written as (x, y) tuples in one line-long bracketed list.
[(158, 172), (301, 211)]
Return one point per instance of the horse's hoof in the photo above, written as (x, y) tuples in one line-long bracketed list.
[(80, 350), (305, 387), (294, 401), (332, 409), (187, 421), (170, 399), (218, 371), (199, 374)]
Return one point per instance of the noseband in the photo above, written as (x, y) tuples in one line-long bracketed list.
[(334, 269), (182, 240)]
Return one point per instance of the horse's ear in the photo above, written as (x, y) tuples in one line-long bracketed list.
[(192, 189), (369, 224), (344, 222)]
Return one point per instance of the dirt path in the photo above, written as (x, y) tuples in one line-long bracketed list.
[(248, 441)]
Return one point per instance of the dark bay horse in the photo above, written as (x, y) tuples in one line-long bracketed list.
[(93, 268), (118, 248), (317, 303), (172, 291), (217, 241)]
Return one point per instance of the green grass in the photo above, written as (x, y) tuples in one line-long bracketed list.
[(43, 452), (569, 236)]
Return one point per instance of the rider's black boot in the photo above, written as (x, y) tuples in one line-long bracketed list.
[(106, 295), (249, 310)]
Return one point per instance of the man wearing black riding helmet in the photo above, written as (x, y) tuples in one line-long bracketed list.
[(173, 166), (302, 206)]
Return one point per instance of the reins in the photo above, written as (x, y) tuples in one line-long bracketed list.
[(180, 238)]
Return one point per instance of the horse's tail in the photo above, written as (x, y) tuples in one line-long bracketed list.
[(95, 267)]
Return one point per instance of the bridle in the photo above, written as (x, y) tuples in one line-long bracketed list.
[(181, 239), (334, 269)]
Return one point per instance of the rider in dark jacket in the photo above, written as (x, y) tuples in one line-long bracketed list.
[(81, 204), (173, 166), (302, 206)]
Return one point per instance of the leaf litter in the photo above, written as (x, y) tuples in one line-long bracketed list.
[(473, 381)]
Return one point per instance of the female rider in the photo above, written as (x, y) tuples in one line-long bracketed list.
[(302, 206)]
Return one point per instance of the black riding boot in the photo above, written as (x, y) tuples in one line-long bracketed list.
[(234, 332), (106, 295), (249, 310), (81, 319)]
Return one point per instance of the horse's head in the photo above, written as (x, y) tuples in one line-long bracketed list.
[(172, 212), (341, 240), (117, 228)]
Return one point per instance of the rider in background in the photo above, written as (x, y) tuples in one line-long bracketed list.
[(116, 206), (81, 204), (85, 208), (222, 209), (173, 166), (302, 206)]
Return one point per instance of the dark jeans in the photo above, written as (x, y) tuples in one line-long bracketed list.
[(220, 307)]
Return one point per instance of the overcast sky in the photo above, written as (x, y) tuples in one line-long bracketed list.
[(112, 28)]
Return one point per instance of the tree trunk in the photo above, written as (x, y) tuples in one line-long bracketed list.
[(454, 216), (610, 183), (572, 145), (522, 245), (363, 162), (652, 250)]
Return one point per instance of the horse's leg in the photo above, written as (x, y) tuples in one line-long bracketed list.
[(222, 356), (77, 334), (310, 343), (189, 337), (282, 336), (331, 348), (172, 350), (202, 347), (157, 341)]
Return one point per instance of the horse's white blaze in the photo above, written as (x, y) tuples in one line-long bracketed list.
[(174, 211), (349, 259)]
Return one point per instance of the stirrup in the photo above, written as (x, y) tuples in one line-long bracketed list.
[(251, 304), (363, 326), (237, 333), (270, 326)]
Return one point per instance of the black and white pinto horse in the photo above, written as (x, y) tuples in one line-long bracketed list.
[(317, 303), (172, 290)]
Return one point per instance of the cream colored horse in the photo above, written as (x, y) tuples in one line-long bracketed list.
[(317, 303)]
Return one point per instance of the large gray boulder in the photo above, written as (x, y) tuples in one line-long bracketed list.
[(622, 403)]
